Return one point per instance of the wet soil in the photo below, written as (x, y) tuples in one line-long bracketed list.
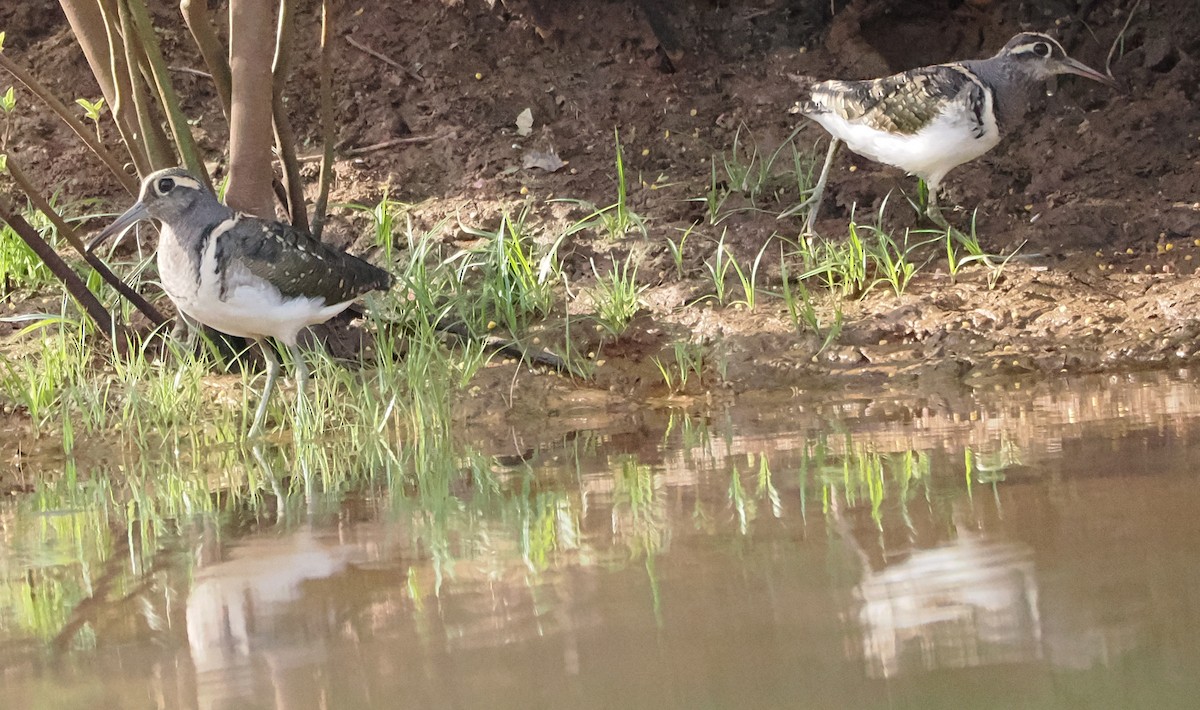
[(1098, 188)]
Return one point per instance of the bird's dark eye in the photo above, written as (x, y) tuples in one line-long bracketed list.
[(164, 185), (1041, 49)]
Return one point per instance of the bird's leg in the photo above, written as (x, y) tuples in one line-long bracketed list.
[(302, 417), (301, 368), (185, 331), (260, 414), (932, 211), (819, 190)]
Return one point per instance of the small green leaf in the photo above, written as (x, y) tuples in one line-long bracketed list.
[(3, 162), (9, 100), (93, 109), (1, 41)]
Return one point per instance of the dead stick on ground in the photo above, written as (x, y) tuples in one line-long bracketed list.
[(397, 141), (381, 146), (383, 58), (189, 70)]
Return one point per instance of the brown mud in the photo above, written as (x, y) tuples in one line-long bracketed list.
[(1099, 189)]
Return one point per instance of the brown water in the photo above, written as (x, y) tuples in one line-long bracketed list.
[(1023, 547)]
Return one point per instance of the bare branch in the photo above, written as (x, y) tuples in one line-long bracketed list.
[(327, 128), (158, 151), (383, 145), (63, 271), (195, 15), (93, 26), (64, 229), (166, 90), (285, 137), (383, 58)]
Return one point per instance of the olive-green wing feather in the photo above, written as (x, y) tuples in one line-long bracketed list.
[(904, 103), (298, 264)]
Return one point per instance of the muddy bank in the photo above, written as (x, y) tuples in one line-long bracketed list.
[(1097, 192)]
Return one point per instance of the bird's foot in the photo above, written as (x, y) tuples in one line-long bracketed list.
[(256, 429), (800, 207), (935, 215), (260, 414)]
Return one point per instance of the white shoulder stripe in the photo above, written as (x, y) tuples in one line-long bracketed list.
[(223, 227)]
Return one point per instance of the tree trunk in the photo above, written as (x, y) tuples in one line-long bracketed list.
[(251, 44)]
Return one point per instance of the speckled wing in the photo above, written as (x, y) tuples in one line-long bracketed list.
[(298, 264), (903, 103)]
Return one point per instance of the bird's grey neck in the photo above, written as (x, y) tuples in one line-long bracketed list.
[(1012, 89), (190, 229), (197, 220)]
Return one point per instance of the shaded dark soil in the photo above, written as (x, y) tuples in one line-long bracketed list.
[(1099, 188)]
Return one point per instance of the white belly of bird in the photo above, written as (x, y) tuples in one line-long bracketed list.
[(250, 307), (943, 144)]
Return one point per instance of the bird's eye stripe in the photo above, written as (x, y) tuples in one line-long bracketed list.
[(187, 182)]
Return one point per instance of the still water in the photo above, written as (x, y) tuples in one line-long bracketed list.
[(1027, 546)]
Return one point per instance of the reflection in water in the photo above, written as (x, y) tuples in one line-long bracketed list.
[(233, 604), (1035, 546), (970, 602)]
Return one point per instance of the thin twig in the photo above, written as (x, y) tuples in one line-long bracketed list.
[(285, 137), (383, 58), (1079, 23), (327, 127), (350, 152), (1120, 36), (195, 16), (189, 70), (397, 141)]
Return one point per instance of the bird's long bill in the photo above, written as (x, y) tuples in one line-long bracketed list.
[(1075, 67), (120, 224)]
